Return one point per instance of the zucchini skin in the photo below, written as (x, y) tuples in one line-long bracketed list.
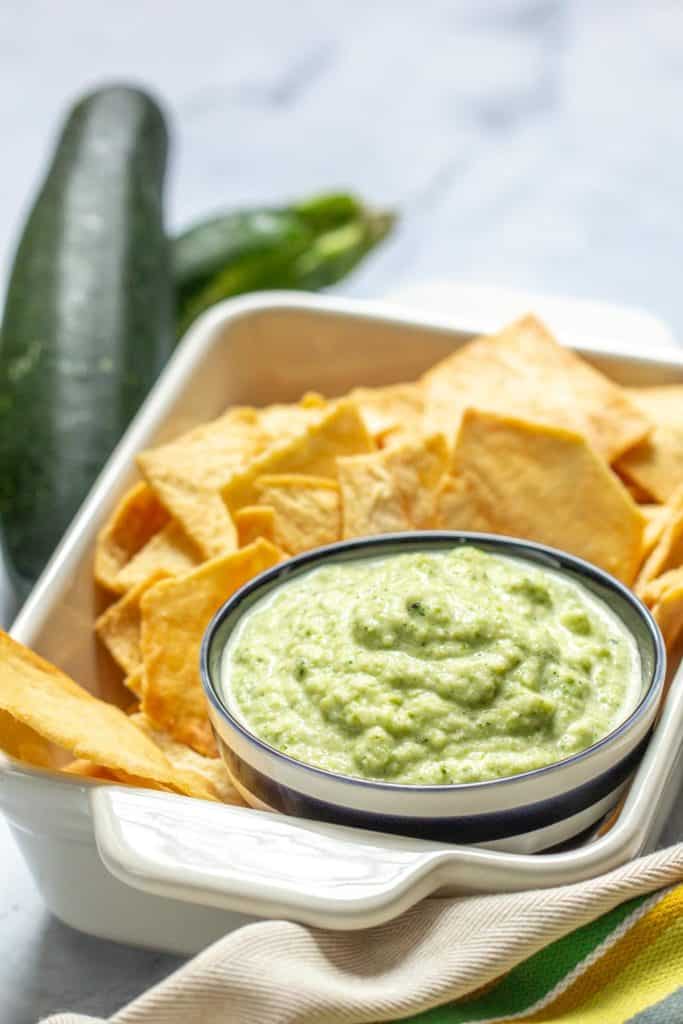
[(226, 239), (88, 321), (306, 246)]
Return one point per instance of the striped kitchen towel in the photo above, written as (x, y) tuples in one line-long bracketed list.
[(625, 966), (604, 951)]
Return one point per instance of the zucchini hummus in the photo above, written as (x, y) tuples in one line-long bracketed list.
[(431, 668)]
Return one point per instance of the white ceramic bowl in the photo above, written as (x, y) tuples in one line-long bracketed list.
[(555, 802)]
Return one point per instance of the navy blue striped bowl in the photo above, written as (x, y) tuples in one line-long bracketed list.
[(532, 811)]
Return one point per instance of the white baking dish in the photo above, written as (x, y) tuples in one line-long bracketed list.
[(256, 350)]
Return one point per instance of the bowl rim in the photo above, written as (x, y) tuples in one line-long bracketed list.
[(306, 561)]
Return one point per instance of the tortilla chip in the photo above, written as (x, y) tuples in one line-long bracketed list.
[(306, 510), (524, 372), (189, 473), (210, 768), (371, 503), (175, 613), (279, 422), (652, 513), (203, 455), (640, 496), (339, 430), (398, 406), (169, 551), (254, 521), (656, 519), (668, 613), (135, 682), (23, 743), (459, 507), (545, 484), (394, 489), (90, 770), (653, 590), (136, 518), (41, 697), (199, 780), (417, 467), (656, 465), (201, 512), (119, 626), (668, 551)]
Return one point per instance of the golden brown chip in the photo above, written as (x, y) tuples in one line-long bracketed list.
[(668, 551), (119, 626), (23, 743), (200, 510), (668, 613), (394, 489), (169, 551), (279, 422), (135, 682), (656, 519), (524, 372), (254, 521), (181, 756), (370, 501), (136, 518), (89, 770), (418, 467), (656, 465), (189, 474), (541, 483), (652, 513), (306, 511), (398, 406), (459, 507), (640, 496), (175, 613), (204, 454), (338, 430), (653, 590), (39, 696)]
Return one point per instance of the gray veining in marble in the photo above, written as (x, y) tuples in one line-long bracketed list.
[(530, 143)]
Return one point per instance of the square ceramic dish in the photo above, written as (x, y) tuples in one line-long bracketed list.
[(171, 873)]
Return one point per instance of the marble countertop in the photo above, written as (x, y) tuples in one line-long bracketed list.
[(534, 144)]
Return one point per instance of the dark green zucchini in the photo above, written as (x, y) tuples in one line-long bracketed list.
[(217, 242), (308, 245), (88, 320), (207, 247)]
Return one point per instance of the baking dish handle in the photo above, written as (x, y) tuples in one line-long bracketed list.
[(259, 863), (331, 876)]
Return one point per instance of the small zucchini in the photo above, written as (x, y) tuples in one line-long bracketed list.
[(307, 245)]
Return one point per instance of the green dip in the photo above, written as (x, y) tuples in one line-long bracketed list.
[(431, 668)]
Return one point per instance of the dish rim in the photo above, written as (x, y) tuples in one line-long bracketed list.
[(299, 564)]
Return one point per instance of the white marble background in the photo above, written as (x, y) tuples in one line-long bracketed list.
[(528, 143)]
